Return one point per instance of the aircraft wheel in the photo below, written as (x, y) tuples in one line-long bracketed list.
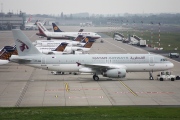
[(95, 77), (161, 79)]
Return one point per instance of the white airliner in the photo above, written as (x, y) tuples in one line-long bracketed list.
[(29, 25), (109, 65), (67, 50), (32, 26), (76, 42), (63, 35)]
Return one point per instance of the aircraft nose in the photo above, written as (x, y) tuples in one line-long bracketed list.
[(170, 65)]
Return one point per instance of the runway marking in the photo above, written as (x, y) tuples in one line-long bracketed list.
[(135, 47), (146, 92), (62, 89), (24, 90), (67, 87), (85, 97), (128, 88), (31, 35), (115, 45)]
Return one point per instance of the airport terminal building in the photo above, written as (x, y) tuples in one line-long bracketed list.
[(11, 21)]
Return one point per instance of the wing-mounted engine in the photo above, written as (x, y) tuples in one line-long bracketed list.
[(115, 73)]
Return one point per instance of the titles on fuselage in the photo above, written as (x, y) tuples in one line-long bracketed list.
[(114, 58), (83, 33)]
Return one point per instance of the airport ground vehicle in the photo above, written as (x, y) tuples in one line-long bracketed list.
[(176, 55), (118, 38), (142, 43), (178, 77), (166, 75)]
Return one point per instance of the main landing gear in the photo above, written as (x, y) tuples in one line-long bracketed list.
[(150, 76), (95, 77)]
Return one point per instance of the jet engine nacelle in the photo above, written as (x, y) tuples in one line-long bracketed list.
[(115, 73)]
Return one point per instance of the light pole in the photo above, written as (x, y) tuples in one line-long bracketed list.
[(142, 29), (152, 34), (159, 33)]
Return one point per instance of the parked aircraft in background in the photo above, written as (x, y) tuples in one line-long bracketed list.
[(5, 55), (63, 35), (77, 41), (52, 50), (109, 65), (32, 26), (67, 49), (29, 19), (57, 29)]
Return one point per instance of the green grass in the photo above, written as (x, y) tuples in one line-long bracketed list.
[(92, 113), (166, 39)]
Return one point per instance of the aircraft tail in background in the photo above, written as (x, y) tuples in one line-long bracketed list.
[(89, 42), (81, 30), (61, 47), (56, 28)]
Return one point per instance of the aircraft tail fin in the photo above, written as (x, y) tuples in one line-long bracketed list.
[(5, 48), (23, 45), (56, 28), (6, 54), (78, 38), (81, 30), (85, 40), (36, 22), (29, 19), (42, 29), (61, 47), (44, 22), (89, 43)]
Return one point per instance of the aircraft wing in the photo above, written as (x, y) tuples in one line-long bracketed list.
[(101, 67), (70, 37), (20, 60)]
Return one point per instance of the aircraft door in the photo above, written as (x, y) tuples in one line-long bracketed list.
[(43, 61), (151, 61)]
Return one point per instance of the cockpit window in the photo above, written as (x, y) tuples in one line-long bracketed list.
[(163, 59)]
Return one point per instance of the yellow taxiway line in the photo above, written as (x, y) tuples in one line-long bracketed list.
[(128, 88)]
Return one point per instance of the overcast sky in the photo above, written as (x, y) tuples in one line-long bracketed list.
[(91, 6)]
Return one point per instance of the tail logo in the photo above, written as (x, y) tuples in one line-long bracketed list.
[(23, 45), (55, 28)]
